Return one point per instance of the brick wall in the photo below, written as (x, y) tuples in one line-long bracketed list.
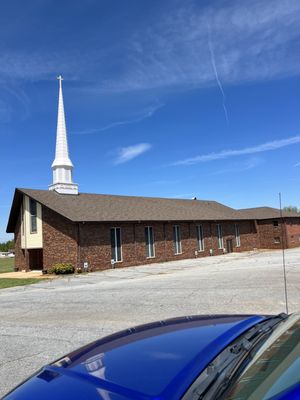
[(59, 239), (271, 234), (249, 236), (288, 232), (95, 246), (21, 256), (293, 232)]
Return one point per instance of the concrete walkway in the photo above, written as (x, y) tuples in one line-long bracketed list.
[(24, 275)]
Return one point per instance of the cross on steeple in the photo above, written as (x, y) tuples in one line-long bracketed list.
[(60, 78)]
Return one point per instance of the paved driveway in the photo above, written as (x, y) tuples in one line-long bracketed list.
[(42, 322)]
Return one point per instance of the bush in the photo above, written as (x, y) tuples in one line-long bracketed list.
[(61, 269)]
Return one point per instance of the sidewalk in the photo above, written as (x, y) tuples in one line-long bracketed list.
[(24, 275)]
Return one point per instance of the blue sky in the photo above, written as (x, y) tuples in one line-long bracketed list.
[(162, 98)]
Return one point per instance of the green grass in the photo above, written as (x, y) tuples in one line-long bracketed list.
[(7, 264), (10, 282)]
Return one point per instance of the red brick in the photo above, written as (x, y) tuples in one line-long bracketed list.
[(68, 242)]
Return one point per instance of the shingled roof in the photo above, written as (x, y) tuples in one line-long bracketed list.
[(111, 208), (266, 213)]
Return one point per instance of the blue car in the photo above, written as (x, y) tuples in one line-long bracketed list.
[(198, 357)]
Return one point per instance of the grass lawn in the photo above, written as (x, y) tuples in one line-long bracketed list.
[(10, 282), (7, 264)]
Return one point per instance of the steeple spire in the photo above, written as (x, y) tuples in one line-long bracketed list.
[(62, 166)]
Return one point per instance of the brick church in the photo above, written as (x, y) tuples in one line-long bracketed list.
[(100, 231)]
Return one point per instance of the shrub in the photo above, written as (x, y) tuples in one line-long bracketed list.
[(62, 268)]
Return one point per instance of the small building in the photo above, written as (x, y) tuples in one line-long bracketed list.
[(275, 229), (61, 225)]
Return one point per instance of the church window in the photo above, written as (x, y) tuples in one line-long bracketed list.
[(200, 237), (177, 239), (237, 235), (220, 237), (116, 245), (149, 242), (33, 216)]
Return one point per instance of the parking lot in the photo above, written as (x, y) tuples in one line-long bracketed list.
[(41, 322)]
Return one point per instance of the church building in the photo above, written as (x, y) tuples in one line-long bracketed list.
[(100, 231)]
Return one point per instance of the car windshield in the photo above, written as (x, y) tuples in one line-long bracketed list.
[(275, 367)]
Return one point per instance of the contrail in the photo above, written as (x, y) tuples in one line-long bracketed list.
[(213, 63)]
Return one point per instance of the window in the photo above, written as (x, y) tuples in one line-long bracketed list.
[(237, 235), (149, 242), (116, 246), (200, 238), (177, 239), (33, 216), (220, 237), (277, 239), (275, 223)]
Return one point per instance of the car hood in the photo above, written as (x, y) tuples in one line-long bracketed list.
[(153, 361)]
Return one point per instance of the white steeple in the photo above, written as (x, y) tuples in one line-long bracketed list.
[(62, 166)]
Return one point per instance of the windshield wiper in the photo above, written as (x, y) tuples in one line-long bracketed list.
[(215, 379)]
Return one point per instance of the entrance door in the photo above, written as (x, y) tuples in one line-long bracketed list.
[(35, 259), (229, 245)]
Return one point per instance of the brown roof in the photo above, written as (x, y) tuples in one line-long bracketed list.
[(266, 213), (112, 208)]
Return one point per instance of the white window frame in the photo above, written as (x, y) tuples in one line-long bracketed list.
[(220, 237), (200, 238), (237, 235), (116, 245), (177, 239), (148, 245)]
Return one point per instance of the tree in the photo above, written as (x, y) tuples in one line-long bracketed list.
[(5, 246), (291, 209)]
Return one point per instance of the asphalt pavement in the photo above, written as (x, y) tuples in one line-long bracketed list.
[(44, 321)]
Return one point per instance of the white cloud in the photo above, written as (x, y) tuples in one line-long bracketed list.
[(147, 113), (246, 165), (38, 65), (250, 43), (269, 146), (129, 153), (5, 112), (169, 48), (12, 94)]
